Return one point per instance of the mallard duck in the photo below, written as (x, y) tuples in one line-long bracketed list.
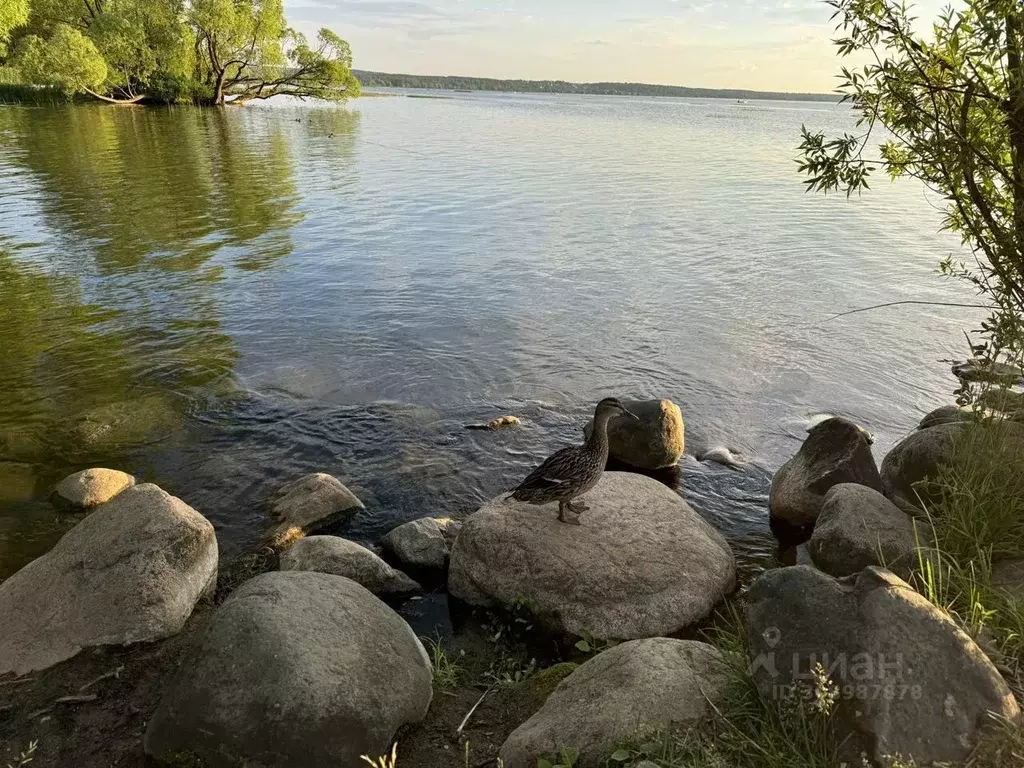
[(573, 471)]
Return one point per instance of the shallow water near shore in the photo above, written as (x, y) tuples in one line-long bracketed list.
[(221, 300)]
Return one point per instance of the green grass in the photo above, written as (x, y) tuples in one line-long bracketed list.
[(17, 93), (977, 511), (448, 672)]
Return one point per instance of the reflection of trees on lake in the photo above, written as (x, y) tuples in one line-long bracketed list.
[(167, 186), (82, 379)]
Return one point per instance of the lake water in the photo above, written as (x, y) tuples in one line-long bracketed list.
[(221, 300)]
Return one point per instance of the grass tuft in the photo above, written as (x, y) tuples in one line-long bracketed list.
[(448, 672)]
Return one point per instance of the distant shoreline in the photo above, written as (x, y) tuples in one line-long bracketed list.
[(457, 83)]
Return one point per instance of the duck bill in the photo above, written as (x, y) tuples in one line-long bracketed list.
[(631, 415)]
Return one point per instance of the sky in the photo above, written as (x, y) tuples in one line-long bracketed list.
[(772, 45)]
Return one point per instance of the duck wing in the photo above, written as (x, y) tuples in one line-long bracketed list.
[(556, 471)]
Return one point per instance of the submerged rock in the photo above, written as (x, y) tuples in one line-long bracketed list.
[(642, 564), (130, 572), (109, 427), (859, 527), (88, 489), (331, 554), (295, 670), (836, 451), (312, 503), (17, 482), (910, 682), (655, 440), (623, 693), (418, 545)]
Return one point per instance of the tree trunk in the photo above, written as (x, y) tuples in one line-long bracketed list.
[(109, 100), (218, 89), (1015, 122)]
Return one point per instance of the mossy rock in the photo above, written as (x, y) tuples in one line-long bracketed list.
[(529, 696)]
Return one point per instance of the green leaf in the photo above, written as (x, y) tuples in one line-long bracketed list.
[(584, 646), (621, 755)]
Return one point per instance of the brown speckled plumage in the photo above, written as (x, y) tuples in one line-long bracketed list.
[(572, 471)]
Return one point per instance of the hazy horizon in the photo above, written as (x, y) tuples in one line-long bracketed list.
[(765, 45)]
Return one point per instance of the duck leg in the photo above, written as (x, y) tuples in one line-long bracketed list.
[(562, 506)]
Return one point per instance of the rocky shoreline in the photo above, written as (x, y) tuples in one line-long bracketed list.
[(119, 646)]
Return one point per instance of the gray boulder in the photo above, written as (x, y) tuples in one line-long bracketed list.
[(311, 503), (859, 527), (654, 441), (910, 682), (331, 554), (88, 489), (835, 451), (922, 455), (130, 572), (420, 544), (295, 670), (642, 564), (623, 693), (947, 414)]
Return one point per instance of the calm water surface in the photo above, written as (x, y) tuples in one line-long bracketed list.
[(218, 301)]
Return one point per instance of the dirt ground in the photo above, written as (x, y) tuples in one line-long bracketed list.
[(91, 711)]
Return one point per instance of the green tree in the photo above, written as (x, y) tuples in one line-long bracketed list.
[(66, 60), (13, 14), (951, 104), (248, 52)]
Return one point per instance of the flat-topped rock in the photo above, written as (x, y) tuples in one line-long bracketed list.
[(130, 572), (88, 489), (312, 503), (642, 564), (334, 555), (295, 670)]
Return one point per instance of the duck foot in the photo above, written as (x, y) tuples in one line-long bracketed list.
[(579, 507), (562, 506)]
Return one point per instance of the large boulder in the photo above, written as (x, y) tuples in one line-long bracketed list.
[(656, 439), (295, 670), (418, 545), (642, 564), (859, 527), (923, 454), (312, 503), (947, 414), (332, 554), (910, 682), (130, 572), (88, 489), (835, 451), (623, 693)]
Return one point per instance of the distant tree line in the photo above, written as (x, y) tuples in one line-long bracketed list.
[(200, 51), (384, 80)]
